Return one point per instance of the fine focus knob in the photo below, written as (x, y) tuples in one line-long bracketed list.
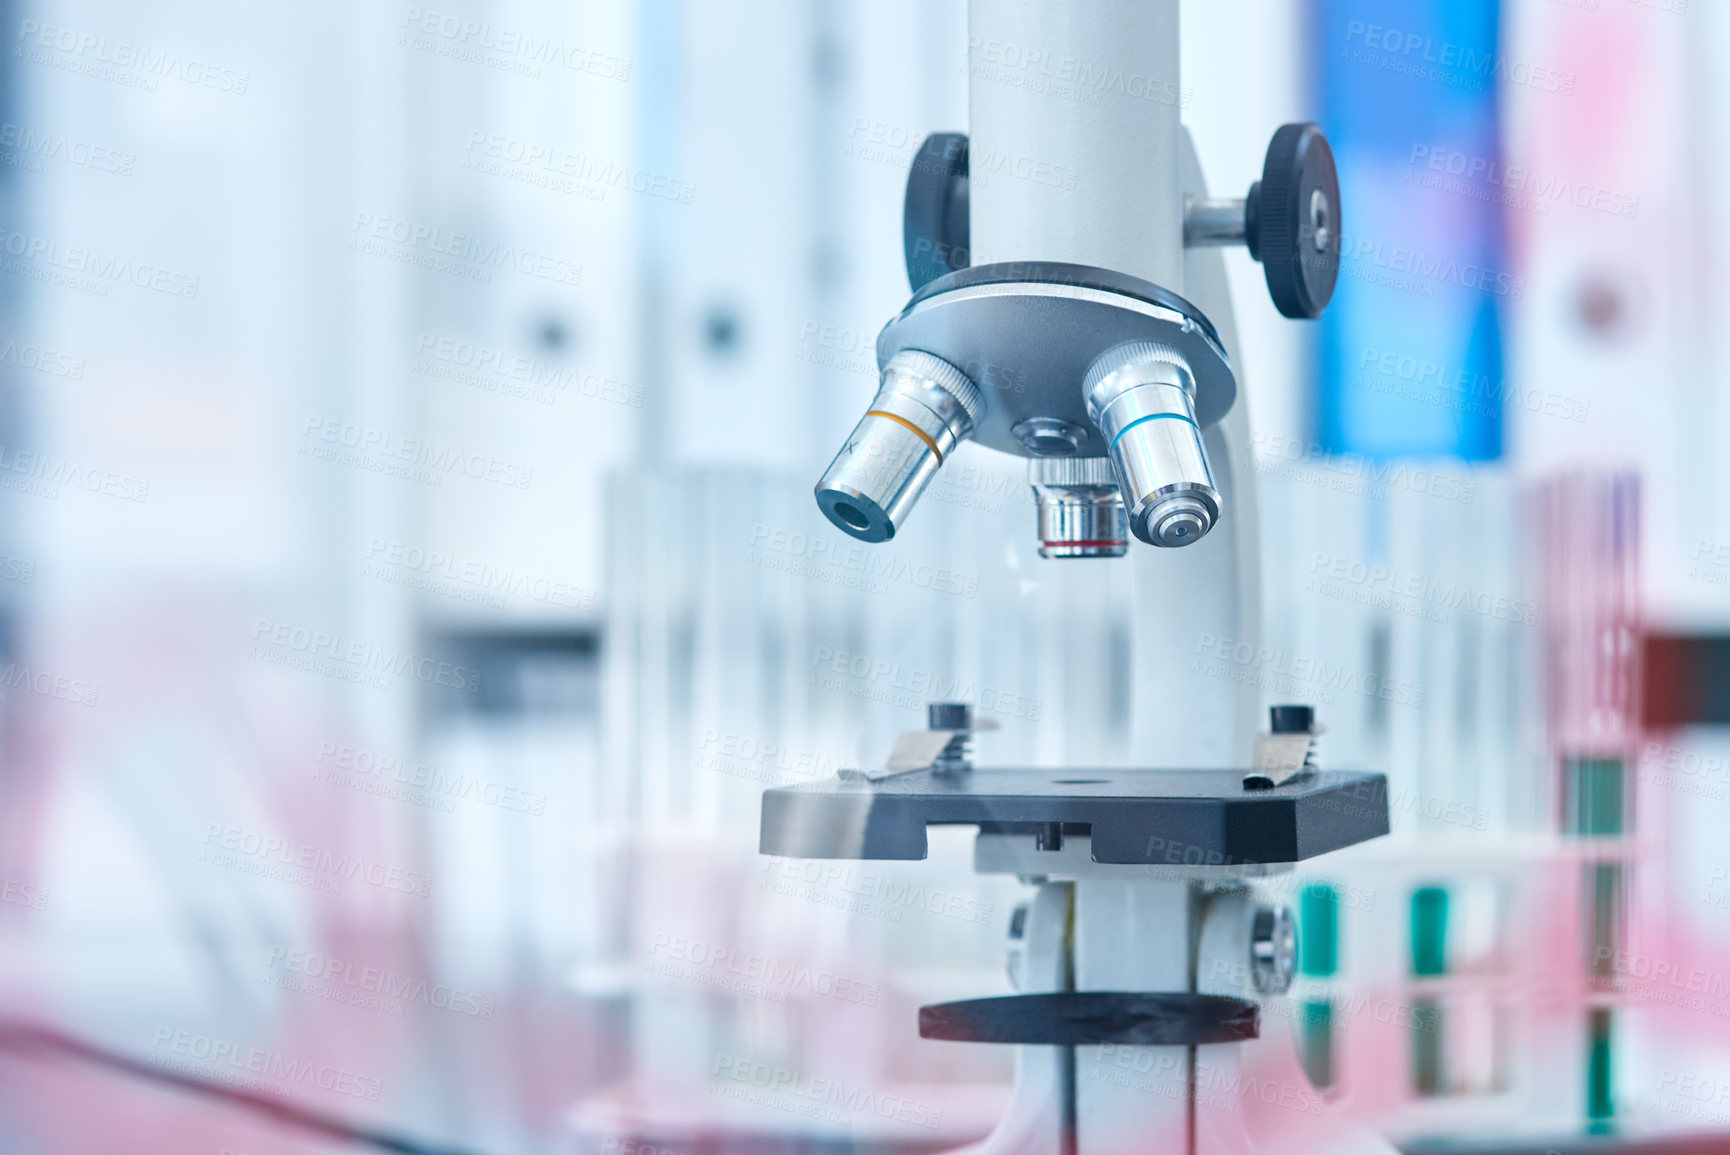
[(1292, 221)]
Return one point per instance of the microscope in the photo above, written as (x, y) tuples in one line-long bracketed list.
[(1142, 962)]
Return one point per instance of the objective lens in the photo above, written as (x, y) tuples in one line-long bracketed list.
[(924, 408), (850, 516), (1142, 397), (1080, 511)]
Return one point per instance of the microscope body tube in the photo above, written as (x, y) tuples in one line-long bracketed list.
[(1056, 176), (1112, 199), (1059, 177)]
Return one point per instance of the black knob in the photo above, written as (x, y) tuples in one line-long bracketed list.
[(934, 221), (1293, 719), (949, 716), (1292, 221)]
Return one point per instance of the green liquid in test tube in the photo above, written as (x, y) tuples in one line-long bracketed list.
[(1597, 808), (1318, 958), (1429, 959), (1600, 1106)]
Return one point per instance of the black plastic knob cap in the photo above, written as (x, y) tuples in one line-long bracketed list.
[(935, 231), (1292, 719), (1292, 221), (949, 715)]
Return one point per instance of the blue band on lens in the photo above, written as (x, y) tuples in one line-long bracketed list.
[(1150, 417)]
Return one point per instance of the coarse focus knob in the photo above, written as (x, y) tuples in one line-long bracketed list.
[(934, 218), (1292, 221)]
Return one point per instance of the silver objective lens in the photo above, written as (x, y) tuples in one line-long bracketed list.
[(924, 408), (1080, 510), (1142, 397)]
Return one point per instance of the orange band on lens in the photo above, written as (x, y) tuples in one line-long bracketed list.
[(917, 432)]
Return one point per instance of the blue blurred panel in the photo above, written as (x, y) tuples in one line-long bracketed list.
[(1411, 352)]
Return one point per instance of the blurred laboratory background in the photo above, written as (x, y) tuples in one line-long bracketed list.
[(410, 579)]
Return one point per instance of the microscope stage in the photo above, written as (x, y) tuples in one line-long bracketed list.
[(1143, 817)]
